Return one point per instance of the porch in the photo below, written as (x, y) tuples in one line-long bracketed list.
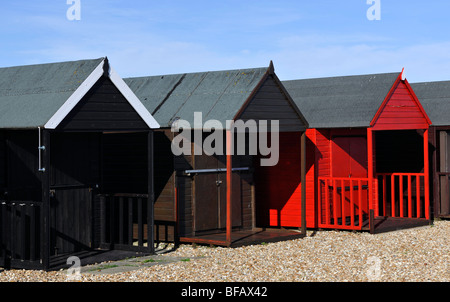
[(245, 237)]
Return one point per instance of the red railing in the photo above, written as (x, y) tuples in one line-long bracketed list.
[(343, 202), (402, 195)]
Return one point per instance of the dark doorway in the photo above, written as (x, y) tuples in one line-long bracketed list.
[(211, 195)]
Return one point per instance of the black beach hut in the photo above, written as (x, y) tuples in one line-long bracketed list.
[(75, 164)]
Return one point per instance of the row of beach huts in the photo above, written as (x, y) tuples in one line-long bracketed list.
[(87, 162)]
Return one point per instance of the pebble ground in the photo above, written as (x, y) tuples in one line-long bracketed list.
[(414, 255)]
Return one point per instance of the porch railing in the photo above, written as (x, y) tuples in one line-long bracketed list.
[(124, 222), (401, 195), (21, 234), (343, 202)]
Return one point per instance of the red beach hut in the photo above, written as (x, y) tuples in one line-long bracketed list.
[(367, 146)]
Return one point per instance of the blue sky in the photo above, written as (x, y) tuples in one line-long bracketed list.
[(304, 39)]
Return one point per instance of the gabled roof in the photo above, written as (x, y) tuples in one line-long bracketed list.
[(435, 99), (341, 102), (219, 95), (42, 95)]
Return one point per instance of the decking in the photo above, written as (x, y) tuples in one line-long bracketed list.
[(245, 237)]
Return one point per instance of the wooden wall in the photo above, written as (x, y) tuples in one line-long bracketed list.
[(278, 188), (185, 187), (2, 162), (401, 112), (103, 108), (22, 178), (270, 103)]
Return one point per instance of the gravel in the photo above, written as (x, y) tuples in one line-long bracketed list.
[(414, 255)]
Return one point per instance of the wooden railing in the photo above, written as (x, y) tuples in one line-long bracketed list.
[(343, 202), (20, 233), (124, 222), (401, 195)]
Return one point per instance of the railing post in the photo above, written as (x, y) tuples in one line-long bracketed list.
[(393, 195), (327, 203), (418, 214), (409, 197), (352, 205), (400, 198), (360, 203)]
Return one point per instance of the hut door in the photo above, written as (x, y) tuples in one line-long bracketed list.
[(74, 172), (349, 157), (444, 172), (210, 195), (349, 163)]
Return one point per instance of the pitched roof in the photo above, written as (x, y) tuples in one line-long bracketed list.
[(341, 102), (42, 95), (219, 95), (435, 99)]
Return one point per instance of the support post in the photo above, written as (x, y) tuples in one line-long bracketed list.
[(151, 195), (45, 188), (303, 185), (370, 169), (229, 149), (426, 172)]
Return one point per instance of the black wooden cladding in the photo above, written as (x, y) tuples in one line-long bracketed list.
[(20, 234), (23, 179), (103, 108), (270, 103)]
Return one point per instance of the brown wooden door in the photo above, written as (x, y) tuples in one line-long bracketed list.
[(444, 173), (211, 195)]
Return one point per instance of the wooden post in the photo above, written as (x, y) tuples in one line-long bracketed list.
[(151, 195), (303, 180), (229, 148), (45, 187), (426, 172), (370, 168)]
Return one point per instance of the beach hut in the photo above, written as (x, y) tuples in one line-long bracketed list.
[(435, 98), (71, 134), (368, 152), (222, 198)]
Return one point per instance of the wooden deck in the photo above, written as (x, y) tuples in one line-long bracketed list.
[(388, 224), (245, 237)]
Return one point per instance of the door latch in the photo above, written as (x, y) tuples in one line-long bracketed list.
[(218, 182)]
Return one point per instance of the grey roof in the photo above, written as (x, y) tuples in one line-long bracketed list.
[(30, 95), (435, 100), (219, 95), (341, 102)]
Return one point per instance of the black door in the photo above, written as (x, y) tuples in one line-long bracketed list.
[(74, 174)]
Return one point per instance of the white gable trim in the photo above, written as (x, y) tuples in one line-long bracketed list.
[(73, 100), (133, 99), (84, 88)]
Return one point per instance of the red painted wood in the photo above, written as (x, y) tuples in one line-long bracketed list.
[(278, 188), (401, 110)]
